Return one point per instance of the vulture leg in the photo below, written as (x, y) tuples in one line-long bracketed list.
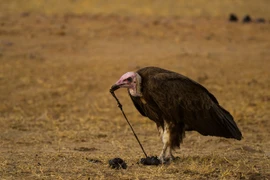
[(169, 155), (166, 153)]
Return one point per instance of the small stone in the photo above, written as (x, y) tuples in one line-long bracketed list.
[(153, 160), (233, 18), (260, 20), (117, 163), (247, 19)]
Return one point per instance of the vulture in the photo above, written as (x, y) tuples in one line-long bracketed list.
[(176, 104)]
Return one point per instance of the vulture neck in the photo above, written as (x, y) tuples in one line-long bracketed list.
[(136, 89)]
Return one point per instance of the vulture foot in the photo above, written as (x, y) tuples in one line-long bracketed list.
[(166, 159)]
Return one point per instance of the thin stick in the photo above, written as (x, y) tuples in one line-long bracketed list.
[(120, 106)]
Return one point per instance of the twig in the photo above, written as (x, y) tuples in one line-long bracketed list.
[(120, 106)]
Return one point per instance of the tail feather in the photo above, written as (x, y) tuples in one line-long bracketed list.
[(228, 123), (215, 121)]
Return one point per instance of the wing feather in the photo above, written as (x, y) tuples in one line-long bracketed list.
[(183, 100), (138, 104)]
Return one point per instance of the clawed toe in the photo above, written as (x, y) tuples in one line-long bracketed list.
[(166, 160)]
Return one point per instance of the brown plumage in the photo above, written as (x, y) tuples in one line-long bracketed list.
[(177, 104)]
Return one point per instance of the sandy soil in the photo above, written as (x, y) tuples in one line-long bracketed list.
[(59, 121)]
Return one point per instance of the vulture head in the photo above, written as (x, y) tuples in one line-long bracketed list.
[(131, 81)]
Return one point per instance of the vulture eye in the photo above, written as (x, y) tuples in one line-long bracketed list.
[(129, 79)]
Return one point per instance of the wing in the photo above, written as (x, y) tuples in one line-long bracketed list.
[(183, 100), (138, 104)]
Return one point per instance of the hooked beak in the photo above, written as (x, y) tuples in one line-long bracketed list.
[(114, 88)]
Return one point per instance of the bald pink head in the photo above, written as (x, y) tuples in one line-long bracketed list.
[(131, 81), (126, 80)]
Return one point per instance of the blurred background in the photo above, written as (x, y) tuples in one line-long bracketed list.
[(257, 8)]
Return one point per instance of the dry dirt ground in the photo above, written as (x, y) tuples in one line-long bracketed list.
[(59, 121)]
